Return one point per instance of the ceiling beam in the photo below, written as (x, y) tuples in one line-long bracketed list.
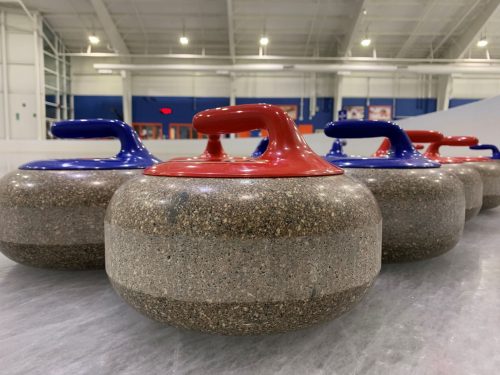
[(458, 49), (416, 30), (114, 37), (230, 30), (456, 25), (352, 29), (312, 26)]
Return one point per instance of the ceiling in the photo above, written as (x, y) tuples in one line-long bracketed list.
[(298, 28)]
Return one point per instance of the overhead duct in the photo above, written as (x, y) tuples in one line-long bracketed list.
[(311, 68), (454, 68), (307, 68)]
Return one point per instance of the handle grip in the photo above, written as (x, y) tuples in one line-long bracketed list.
[(401, 145), (433, 149), (247, 117), (130, 144), (494, 150), (286, 144), (424, 136)]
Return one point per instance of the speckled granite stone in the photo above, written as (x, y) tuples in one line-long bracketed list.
[(473, 187), (423, 210), (242, 256), (55, 219), (490, 174)]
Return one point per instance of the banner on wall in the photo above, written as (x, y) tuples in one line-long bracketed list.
[(380, 112), (355, 112), (290, 109)]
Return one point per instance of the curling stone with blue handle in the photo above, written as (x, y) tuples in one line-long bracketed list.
[(423, 207), (52, 211)]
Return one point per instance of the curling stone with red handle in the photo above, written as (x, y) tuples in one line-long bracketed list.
[(487, 167), (243, 246)]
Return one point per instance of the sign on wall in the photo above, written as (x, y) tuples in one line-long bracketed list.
[(380, 112), (355, 112)]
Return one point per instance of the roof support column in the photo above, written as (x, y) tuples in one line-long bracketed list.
[(337, 95), (444, 91), (127, 96)]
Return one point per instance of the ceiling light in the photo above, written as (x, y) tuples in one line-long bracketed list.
[(94, 39), (483, 42), (184, 40), (264, 41), (366, 42)]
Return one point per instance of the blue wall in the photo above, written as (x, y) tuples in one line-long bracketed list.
[(105, 106), (147, 108), (459, 102)]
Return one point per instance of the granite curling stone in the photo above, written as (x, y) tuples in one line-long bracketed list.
[(423, 207), (243, 246), (52, 211), (488, 168), (470, 178), (493, 196)]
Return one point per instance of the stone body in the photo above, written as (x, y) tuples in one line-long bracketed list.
[(423, 210), (490, 174), (55, 219), (473, 187), (243, 256)]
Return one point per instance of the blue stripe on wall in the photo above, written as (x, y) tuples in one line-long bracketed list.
[(459, 102), (406, 107), (103, 106), (147, 108)]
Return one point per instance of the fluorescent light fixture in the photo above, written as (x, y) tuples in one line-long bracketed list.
[(264, 41), (94, 39), (104, 71), (366, 42), (483, 42), (184, 40)]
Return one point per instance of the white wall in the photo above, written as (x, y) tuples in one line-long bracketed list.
[(86, 81), (20, 85), (476, 87)]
